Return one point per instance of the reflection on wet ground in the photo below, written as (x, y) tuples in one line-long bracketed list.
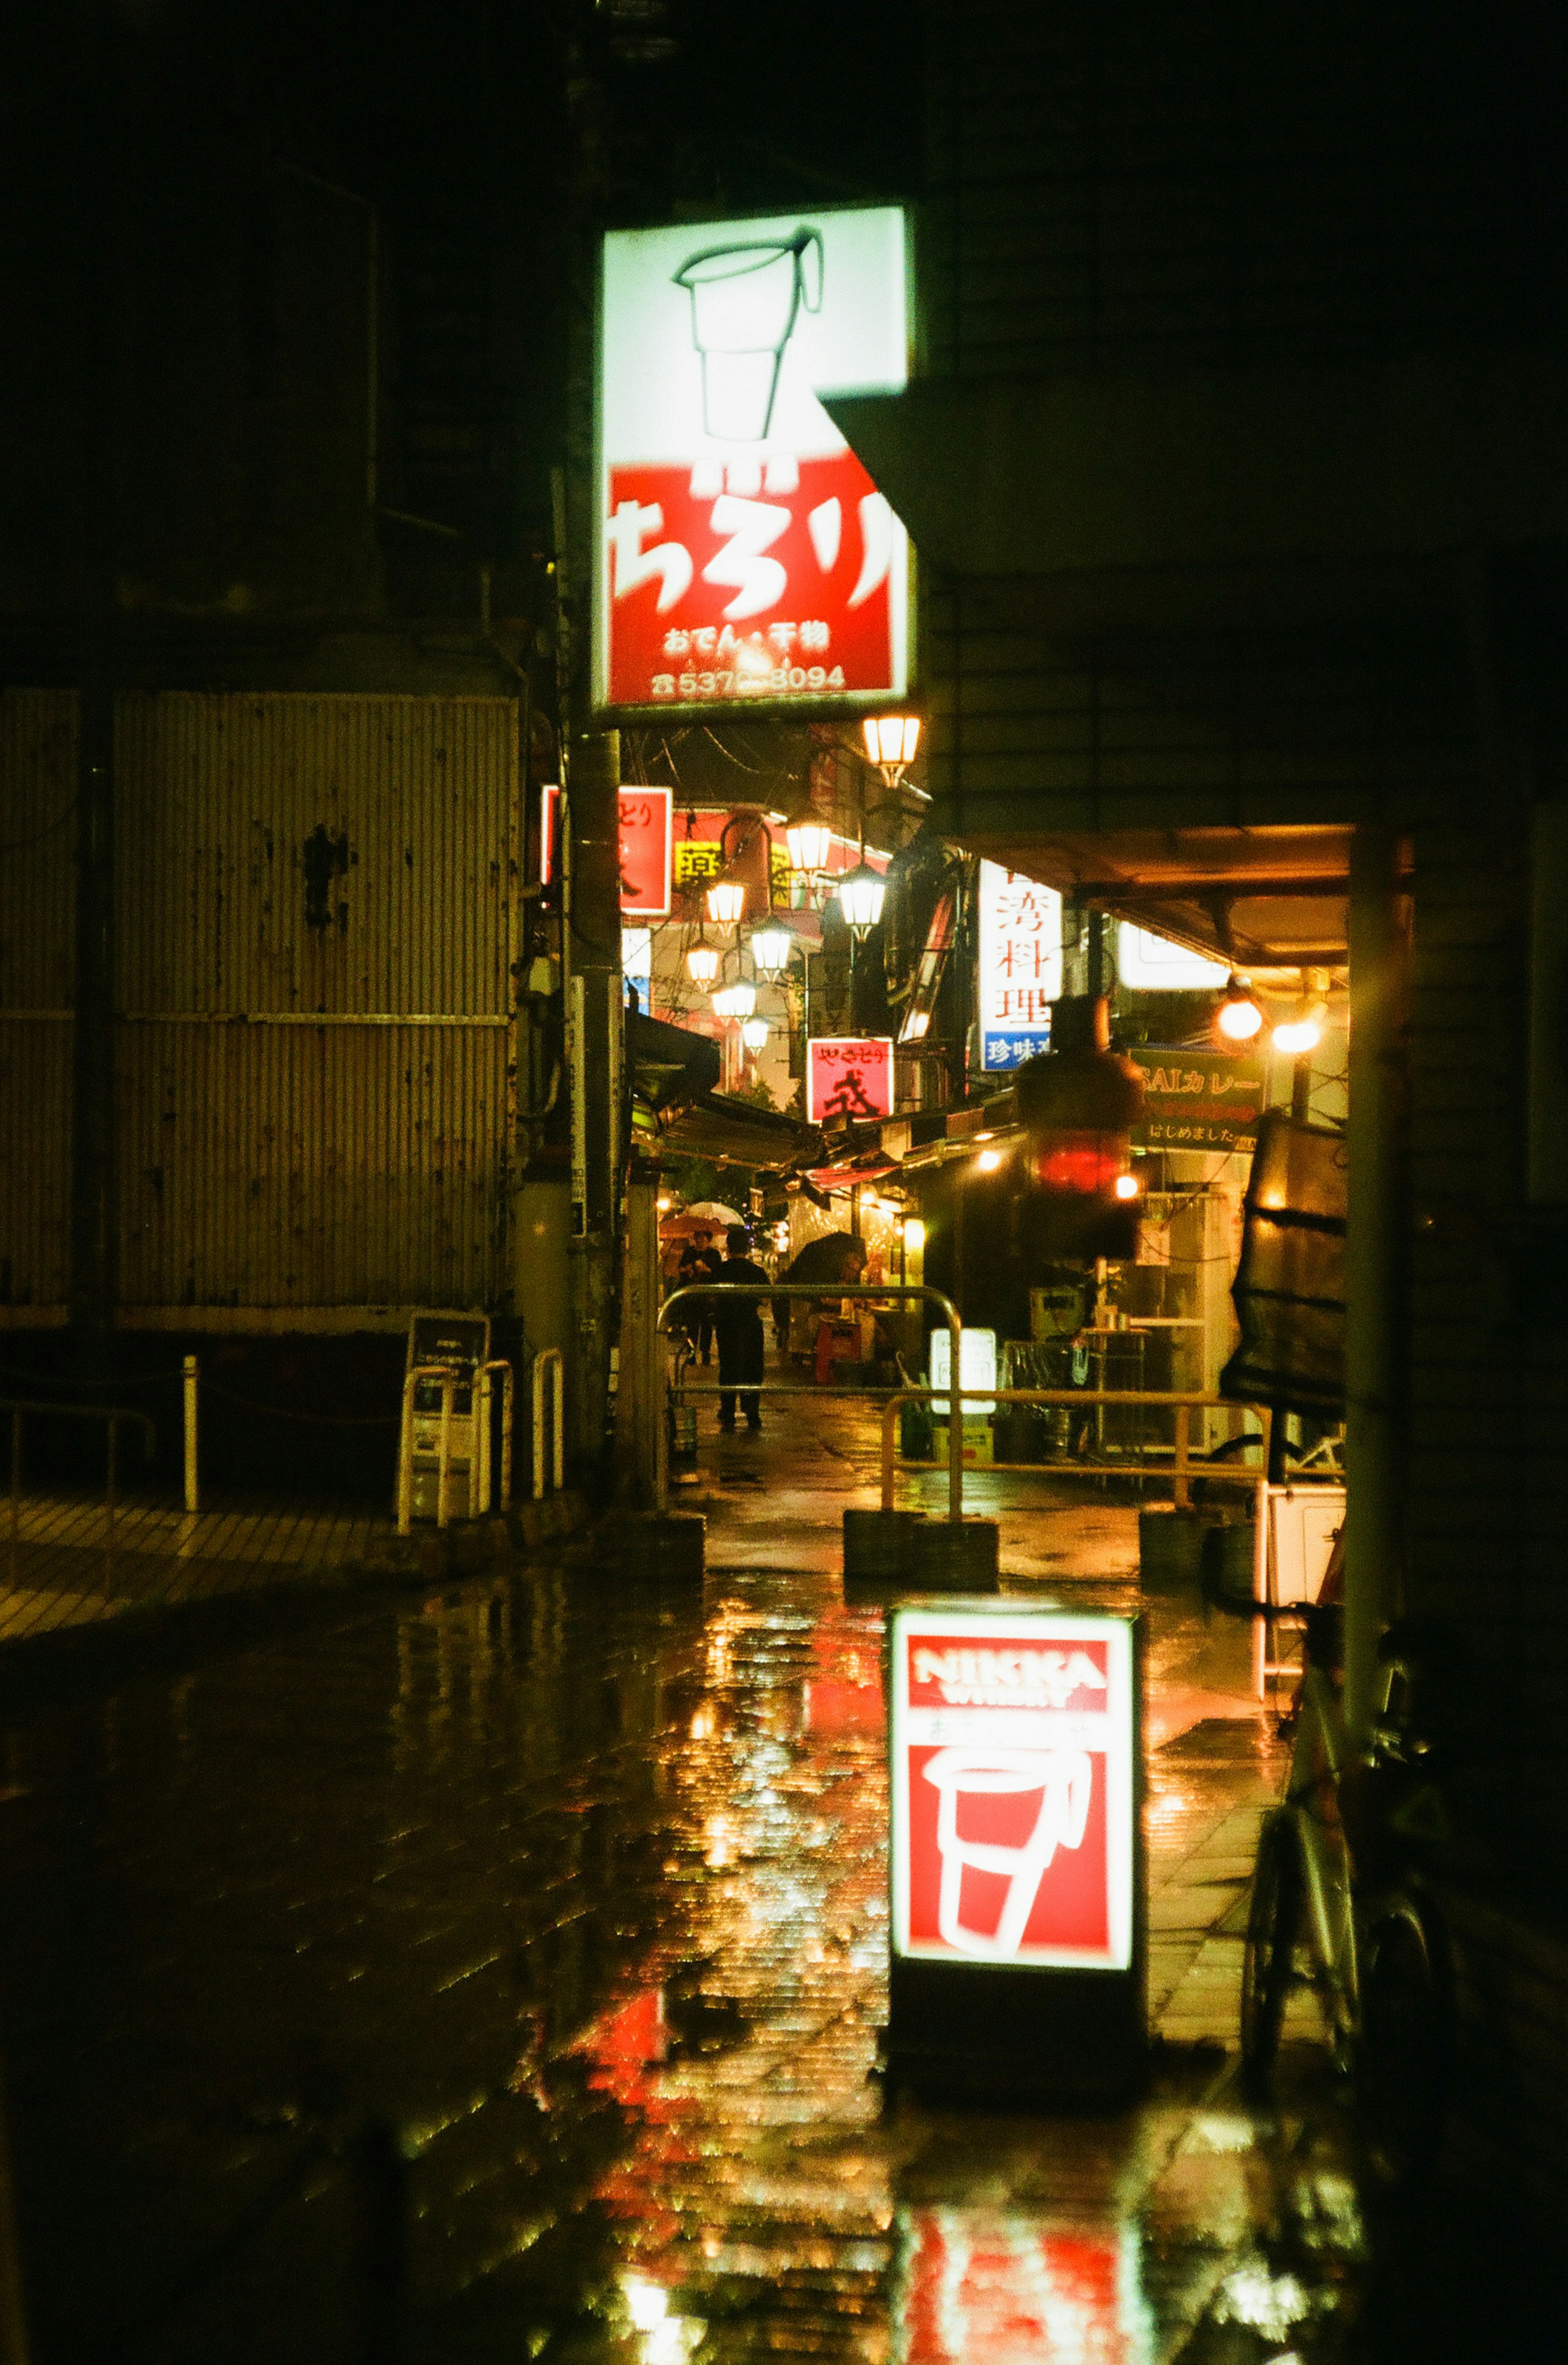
[(584, 1892)]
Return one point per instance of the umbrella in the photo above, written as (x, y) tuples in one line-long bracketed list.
[(708, 1215), (823, 1259)]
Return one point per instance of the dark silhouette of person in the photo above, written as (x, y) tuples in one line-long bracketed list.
[(739, 1328), (700, 1261), (832, 1256)]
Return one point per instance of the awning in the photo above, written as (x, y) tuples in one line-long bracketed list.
[(716, 1125)]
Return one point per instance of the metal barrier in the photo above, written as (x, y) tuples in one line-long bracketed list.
[(113, 1414), (864, 1293), (487, 1394), (480, 1459), (549, 1359), (1182, 1401)]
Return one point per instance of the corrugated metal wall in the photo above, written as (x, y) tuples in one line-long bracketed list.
[(317, 900), (37, 965)]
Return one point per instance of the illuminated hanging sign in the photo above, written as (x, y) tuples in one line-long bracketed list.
[(1198, 1100), (1020, 966), (745, 557), (1151, 964), (647, 848), (1014, 1788), (849, 1078)]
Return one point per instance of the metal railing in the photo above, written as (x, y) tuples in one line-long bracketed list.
[(1182, 1401), (481, 1472), (549, 1359), (863, 1293), (113, 1414)]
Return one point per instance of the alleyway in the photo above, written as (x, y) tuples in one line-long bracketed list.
[(581, 1892)]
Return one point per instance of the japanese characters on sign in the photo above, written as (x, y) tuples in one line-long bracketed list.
[(648, 831), (747, 555), (1198, 1100), (1014, 1788), (1020, 966), (849, 1078)]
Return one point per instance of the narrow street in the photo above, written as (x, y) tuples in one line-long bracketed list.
[(580, 1891)]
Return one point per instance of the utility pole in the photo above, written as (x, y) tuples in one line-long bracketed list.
[(93, 1078), (591, 788)]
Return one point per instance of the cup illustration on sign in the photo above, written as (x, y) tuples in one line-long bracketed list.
[(744, 303), (1062, 1778)]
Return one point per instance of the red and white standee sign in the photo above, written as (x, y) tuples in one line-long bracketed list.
[(746, 557), (647, 848), (849, 1077), (1013, 1790)]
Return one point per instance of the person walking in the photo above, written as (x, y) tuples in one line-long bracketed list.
[(700, 1261), (739, 1328)]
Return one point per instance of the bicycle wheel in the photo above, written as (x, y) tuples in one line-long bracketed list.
[(1273, 1919), (1403, 2051)]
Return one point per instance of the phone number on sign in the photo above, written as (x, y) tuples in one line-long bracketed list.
[(727, 681)]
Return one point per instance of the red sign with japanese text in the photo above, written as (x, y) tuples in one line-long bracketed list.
[(849, 1078), (1012, 1788), (647, 848), (746, 557)]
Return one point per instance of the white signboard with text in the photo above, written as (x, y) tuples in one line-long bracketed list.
[(746, 556), (1020, 966)]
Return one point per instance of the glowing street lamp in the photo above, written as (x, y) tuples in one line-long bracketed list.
[(702, 962), (860, 896), (809, 843), (754, 1033), (726, 902), (736, 1000), (890, 742), (770, 950)]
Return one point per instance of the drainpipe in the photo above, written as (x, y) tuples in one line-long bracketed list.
[(1375, 1267)]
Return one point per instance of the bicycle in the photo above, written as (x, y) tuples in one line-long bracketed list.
[(1341, 1901)]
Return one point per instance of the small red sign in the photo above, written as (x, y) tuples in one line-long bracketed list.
[(849, 1077), (1012, 1788), (647, 848)]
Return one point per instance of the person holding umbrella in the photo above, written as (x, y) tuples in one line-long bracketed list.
[(739, 1328), (700, 1261)]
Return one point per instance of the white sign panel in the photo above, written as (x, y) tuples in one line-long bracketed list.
[(1020, 966), (977, 1369), (746, 558), (1013, 1790), (1154, 965)]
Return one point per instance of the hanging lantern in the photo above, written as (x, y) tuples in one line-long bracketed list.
[(736, 1001), (702, 962), (726, 902), (770, 950), (754, 1033), (1079, 1103), (809, 843), (890, 742), (860, 896)]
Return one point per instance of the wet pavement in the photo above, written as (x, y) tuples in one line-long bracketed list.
[(576, 1892)]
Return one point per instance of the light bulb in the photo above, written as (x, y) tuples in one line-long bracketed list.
[(726, 902), (1296, 1037), (989, 1160), (1239, 1018), (1127, 1186), (754, 1033), (702, 964)]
